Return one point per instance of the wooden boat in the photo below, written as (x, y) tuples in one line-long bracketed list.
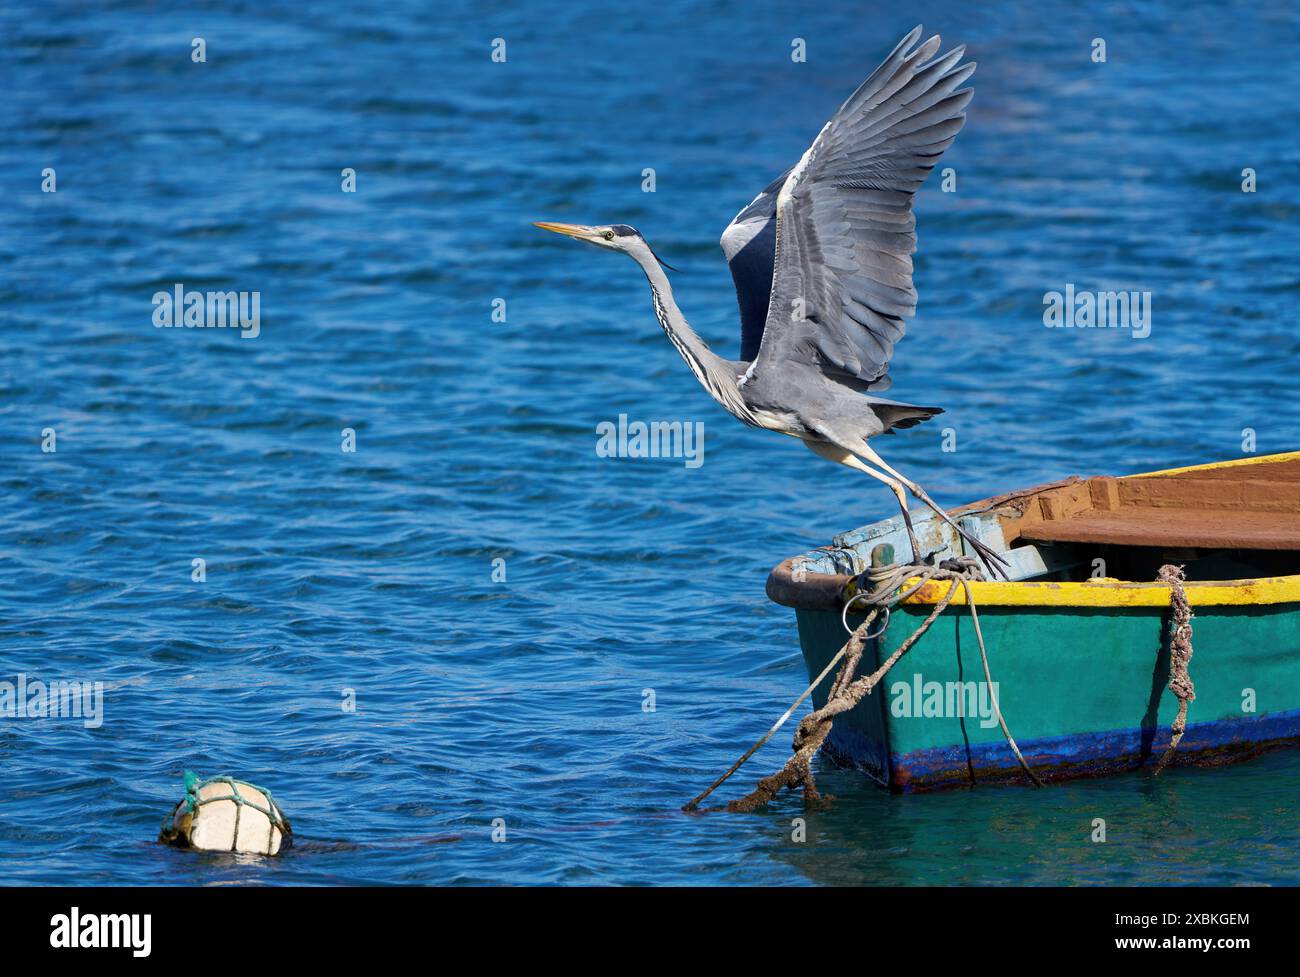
[(1078, 638)]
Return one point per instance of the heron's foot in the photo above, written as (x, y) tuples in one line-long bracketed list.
[(917, 557), (992, 560)]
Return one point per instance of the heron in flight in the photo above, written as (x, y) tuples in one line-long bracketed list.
[(822, 264)]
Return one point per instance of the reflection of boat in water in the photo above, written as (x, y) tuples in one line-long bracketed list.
[(1078, 637)]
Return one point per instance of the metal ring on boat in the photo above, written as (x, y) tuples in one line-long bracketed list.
[(844, 618)]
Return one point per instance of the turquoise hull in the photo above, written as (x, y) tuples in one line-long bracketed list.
[(1083, 691)]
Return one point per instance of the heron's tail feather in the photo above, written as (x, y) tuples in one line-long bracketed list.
[(895, 415)]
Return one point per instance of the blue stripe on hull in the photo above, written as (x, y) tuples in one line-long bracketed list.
[(1061, 757)]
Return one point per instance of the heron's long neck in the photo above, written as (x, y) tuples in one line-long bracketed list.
[(715, 374)]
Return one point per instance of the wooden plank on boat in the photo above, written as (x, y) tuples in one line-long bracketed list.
[(1189, 528), (1240, 507), (1209, 493)]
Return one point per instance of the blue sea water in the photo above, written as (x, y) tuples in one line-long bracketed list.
[(520, 701)]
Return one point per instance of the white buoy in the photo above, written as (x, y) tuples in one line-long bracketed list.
[(224, 814)]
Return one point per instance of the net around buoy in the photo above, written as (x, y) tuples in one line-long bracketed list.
[(224, 814)]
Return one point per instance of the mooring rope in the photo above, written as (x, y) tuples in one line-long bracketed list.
[(993, 696), (1180, 655), (885, 590), (693, 805)]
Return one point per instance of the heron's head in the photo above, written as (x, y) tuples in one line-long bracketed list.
[(612, 237)]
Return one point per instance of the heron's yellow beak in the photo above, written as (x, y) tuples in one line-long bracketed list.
[(571, 230)]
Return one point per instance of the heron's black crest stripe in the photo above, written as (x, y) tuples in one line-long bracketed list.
[(659, 259)]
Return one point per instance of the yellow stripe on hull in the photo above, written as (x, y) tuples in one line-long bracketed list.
[(1234, 463), (1109, 592)]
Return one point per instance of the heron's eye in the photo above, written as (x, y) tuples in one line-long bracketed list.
[(609, 235)]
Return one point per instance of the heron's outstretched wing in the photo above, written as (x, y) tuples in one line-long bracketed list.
[(841, 225)]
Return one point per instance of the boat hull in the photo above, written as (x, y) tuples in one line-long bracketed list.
[(1083, 689)]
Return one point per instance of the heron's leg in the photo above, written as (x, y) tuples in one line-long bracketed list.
[(987, 555), (850, 460)]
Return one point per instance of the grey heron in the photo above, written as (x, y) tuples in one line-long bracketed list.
[(822, 265)]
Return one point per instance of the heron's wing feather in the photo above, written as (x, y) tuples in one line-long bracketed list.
[(844, 227)]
